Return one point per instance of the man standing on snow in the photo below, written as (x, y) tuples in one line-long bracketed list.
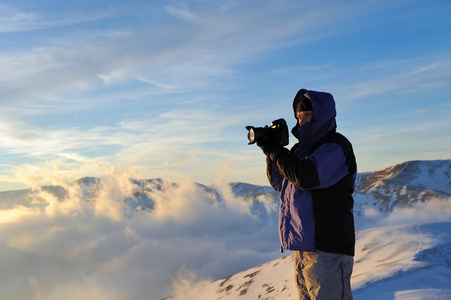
[(316, 179)]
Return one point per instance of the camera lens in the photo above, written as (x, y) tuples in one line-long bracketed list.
[(251, 135)]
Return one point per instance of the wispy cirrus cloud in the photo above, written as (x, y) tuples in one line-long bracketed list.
[(171, 144), (14, 19), (360, 81), (181, 56)]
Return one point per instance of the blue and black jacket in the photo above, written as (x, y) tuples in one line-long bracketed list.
[(316, 179)]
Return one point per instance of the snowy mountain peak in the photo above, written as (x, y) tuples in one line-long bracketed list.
[(405, 184), (433, 174)]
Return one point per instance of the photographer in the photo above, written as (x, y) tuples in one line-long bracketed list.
[(316, 180)]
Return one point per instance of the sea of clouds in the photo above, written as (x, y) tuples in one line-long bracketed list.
[(97, 248), (90, 245)]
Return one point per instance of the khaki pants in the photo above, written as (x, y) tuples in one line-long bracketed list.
[(323, 276)]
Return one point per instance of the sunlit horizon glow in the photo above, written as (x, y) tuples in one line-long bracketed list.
[(166, 88)]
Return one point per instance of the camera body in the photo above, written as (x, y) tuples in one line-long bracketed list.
[(276, 133)]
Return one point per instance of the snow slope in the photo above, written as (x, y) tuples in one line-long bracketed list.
[(410, 261)]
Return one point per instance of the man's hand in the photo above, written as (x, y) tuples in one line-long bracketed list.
[(266, 147)]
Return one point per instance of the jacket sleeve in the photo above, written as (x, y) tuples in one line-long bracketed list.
[(322, 169), (301, 172), (274, 177)]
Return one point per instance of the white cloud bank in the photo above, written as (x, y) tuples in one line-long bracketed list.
[(76, 249)]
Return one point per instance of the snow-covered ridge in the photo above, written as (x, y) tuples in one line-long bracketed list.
[(406, 183)]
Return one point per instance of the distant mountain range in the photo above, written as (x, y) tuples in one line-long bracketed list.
[(397, 186)]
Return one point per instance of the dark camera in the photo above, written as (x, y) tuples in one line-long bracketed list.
[(276, 133)]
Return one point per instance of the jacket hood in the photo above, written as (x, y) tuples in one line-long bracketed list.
[(323, 119)]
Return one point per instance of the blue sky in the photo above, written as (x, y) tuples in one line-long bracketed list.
[(165, 88)]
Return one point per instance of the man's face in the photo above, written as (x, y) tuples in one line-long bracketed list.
[(304, 117)]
